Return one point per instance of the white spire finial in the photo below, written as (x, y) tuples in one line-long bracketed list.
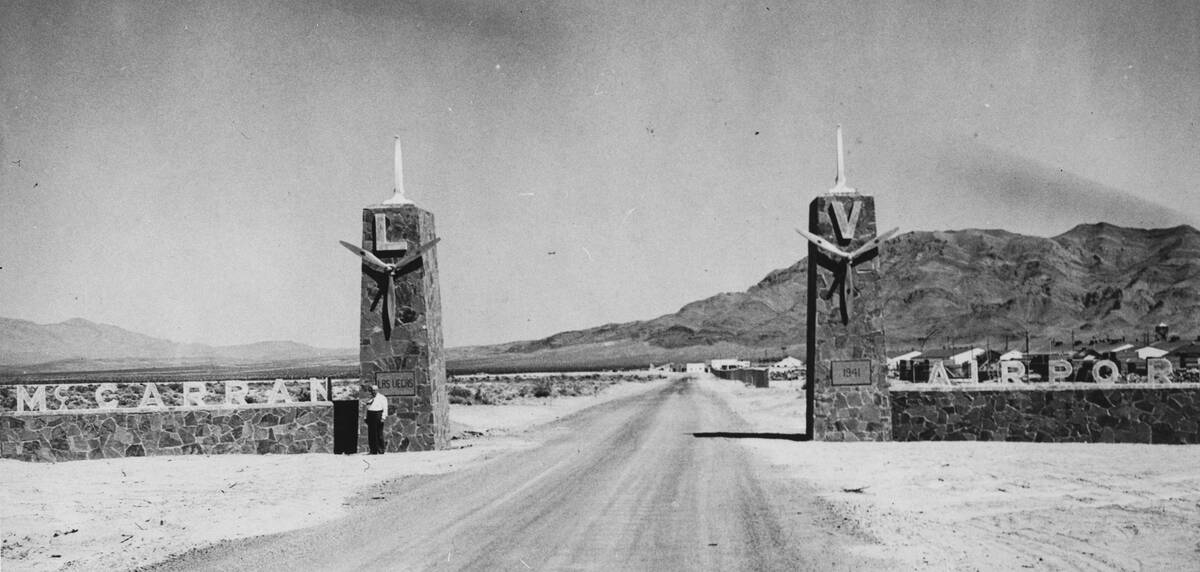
[(839, 182), (398, 197)]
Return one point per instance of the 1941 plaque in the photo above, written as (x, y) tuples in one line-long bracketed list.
[(850, 372)]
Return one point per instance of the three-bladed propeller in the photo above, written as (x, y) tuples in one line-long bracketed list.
[(844, 280), (390, 271)]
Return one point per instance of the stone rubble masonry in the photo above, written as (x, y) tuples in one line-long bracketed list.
[(846, 413), (1071, 413), (108, 433), (418, 422)]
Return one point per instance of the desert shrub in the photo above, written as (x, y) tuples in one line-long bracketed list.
[(506, 388), (543, 387)]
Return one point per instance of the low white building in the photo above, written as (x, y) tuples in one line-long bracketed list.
[(893, 363), (788, 363), (695, 367), (1011, 355), (727, 364), (956, 356), (1151, 352)]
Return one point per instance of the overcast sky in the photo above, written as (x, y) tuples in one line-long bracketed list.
[(185, 169)]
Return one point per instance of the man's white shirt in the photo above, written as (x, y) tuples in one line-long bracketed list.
[(379, 403)]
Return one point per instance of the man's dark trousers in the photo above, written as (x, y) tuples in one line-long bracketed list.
[(375, 431)]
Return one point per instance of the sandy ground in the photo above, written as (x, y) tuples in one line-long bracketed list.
[(993, 506), (931, 506), (628, 485), (119, 514)]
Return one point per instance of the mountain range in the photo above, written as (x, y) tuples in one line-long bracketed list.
[(1094, 282), (987, 287), (84, 345)]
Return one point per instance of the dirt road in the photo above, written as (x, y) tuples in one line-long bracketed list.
[(622, 486)]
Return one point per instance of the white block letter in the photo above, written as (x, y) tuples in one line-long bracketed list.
[(60, 393), (279, 393), (150, 397), (1158, 370), (1113, 376), (1012, 371), (35, 403), (1060, 369), (316, 390), (193, 393), (235, 392), (938, 373), (100, 391)]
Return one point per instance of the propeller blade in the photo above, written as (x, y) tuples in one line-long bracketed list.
[(874, 243), (416, 254), (823, 244), (834, 286), (848, 294), (829, 293), (370, 259), (391, 305)]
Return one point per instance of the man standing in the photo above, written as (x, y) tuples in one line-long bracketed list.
[(377, 411)]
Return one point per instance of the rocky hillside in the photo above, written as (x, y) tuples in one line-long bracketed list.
[(1094, 281)]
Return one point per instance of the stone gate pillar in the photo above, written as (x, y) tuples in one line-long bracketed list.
[(400, 345), (846, 367)]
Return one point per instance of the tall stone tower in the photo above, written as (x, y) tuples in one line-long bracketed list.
[(846, 392), (400, 345)]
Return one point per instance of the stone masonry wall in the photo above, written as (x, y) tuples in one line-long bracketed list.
[(98, 434), (1150, 413), (409, 426)]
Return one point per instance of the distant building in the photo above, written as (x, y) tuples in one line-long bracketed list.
[(1188, 356), (695, 367), (956, 356), (1129, 362), (1150, 352), (786, 368), (728, 364), (1011, 355), (918, 368), (893, 362), (788, 363), (1170, 345)]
